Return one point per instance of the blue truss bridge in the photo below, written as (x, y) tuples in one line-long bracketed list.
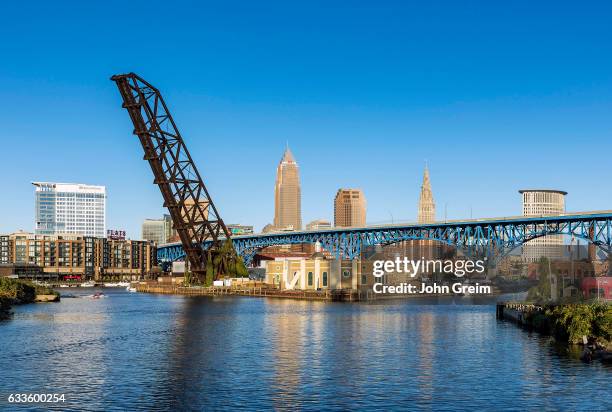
[(492, 237)]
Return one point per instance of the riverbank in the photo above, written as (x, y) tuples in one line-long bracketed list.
[(256, 289), (260, 289), (18, 292), (587, 324)]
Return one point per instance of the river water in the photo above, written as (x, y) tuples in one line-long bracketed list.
[(157, 352)]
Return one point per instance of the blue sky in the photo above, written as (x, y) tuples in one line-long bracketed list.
[(496, 97)]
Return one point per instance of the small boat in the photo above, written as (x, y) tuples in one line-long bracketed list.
[(97, 295), (130, 289), (88, 284), (68, 295)]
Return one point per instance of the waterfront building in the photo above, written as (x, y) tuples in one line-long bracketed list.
[(73, 208), (70, 256), (543, 202), (319, 224), (287, 194), (155, 230), (4, 249), (315, 273), (349, 208), (124, 259), (53, 256), (237, 229)]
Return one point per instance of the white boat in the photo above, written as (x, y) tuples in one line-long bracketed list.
[(111, 285), (123, 284), (88, 284), (130, 289)]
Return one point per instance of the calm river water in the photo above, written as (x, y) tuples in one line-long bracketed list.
[(149, 352)]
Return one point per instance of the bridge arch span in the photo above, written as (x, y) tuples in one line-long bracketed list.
[(490, 237)]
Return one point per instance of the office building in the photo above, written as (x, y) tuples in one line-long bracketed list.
[(70, 208), (427, 206), (171, 235), (349, 208), (154, 230), (287, 194), (543, 202), (426, 213)]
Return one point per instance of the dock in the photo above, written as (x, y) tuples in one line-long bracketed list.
[(258, 289)]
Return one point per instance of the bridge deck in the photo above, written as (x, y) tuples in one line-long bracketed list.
[(577, 216)]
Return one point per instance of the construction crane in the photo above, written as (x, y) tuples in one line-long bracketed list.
[(205, 238)]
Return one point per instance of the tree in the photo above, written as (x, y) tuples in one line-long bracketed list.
[(541, 293)]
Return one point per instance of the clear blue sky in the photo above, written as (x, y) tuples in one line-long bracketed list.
[(496, 97)]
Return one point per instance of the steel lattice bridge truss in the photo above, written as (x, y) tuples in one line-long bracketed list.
[(193, 212), (491, 238)]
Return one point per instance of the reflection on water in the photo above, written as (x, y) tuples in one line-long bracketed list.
[(149, 352)]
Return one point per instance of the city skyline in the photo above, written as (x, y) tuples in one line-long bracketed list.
[(528, 98), (373, 205), (424, 211)]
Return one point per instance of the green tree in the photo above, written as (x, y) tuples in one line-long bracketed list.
[(574, 321), (541, 293)]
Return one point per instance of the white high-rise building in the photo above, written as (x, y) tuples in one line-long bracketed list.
[(70, 208), (543, 202)]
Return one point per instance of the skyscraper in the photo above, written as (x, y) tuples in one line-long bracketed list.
[(287, 194), (427, 206), (545, 202), (70, 208), (428, 249), (349, 208)]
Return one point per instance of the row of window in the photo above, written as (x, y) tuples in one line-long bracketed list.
[(310, 279)]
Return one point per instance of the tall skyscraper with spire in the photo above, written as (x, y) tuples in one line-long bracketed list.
[(287, 194), (427, 206)]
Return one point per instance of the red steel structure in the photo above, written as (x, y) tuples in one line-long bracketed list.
[(193, 212)]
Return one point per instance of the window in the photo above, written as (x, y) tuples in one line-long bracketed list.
[(364, 279), (324, 278), (346, 274), (309, 278)]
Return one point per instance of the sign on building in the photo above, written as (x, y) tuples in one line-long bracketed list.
[(115, 234)]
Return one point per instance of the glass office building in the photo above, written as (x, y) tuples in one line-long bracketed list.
[(70, 208)]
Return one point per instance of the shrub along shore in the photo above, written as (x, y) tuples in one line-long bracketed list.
[(589, 324), (17, 292)]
